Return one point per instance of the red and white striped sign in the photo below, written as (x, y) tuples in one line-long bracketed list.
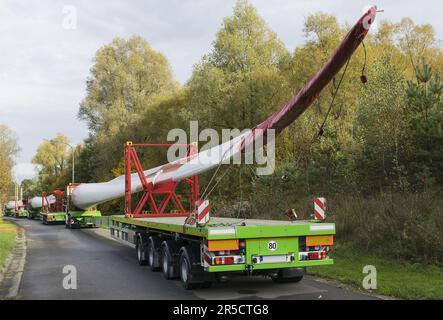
[(319, 208), (202, 212)]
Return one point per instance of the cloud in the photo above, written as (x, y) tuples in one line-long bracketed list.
[(23, 171)]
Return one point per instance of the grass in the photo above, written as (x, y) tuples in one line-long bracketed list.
[(396, 279), (8, 232)]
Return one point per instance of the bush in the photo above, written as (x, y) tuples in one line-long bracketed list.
[(406, 226)]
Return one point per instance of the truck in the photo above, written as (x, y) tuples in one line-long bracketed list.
[(9, 209), (177, 236), (52, 208), (175, 233), (15, 209), (76, 218), (20, 210)]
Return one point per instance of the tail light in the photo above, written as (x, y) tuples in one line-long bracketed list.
[(313, 255), (224, 260), (321, 254)]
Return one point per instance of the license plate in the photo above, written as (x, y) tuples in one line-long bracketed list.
[(277, 258)]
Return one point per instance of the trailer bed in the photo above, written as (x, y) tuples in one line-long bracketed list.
[(228, 228)]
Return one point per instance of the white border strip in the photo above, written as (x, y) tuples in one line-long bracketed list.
[(322, 227), (221, 231)]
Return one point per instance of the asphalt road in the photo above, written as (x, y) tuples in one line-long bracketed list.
[(107, 269)]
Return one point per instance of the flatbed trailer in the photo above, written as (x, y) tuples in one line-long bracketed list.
[(52, 217), (34, 214), (8, 212), (20, 213), (200, 255), (78, 219)]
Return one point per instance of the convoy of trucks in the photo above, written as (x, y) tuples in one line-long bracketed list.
[(175, 233)]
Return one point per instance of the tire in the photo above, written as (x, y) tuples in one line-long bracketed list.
[(287, 280), (169, 250), (153, 254), (185, 270), (141, 252)]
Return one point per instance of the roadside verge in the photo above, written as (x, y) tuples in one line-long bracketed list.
[(11, 273), (404, 280)]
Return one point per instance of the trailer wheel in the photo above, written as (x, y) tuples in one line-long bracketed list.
[(169, 250), (141, 252), (185, 270), (153, 254)]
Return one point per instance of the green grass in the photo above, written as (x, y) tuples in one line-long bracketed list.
[(396, 279), (8, 232)]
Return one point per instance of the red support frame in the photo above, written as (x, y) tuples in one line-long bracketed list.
[(166, 190), (57, 206)]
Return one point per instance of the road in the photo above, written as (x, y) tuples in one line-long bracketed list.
[(107, 269)]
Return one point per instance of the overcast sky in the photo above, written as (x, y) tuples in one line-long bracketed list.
[(46, 55)]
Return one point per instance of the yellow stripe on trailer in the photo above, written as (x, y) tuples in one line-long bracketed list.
[(323, 240), (221, 245)]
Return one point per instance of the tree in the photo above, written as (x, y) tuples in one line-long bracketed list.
[(239, 83), (31, 188), (126, 76), (8, 149), (381, 128), (425, 106), (126, 79), (53, 157)]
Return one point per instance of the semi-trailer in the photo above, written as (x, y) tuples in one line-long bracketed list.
[(52, 208), (76, 218), (199, 249), (225, 247), (15, 209), (9, 209)]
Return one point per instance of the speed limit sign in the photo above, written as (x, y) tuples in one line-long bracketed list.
[(272, 245)]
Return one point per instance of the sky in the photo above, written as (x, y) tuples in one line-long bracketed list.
[(47, 48)]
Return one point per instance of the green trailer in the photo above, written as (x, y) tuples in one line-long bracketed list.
[(226, 247), (20, 213), (79, 219), (8, 212), (53, 217), (34, 214)]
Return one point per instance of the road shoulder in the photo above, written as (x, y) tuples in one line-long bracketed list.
[(11, 275)]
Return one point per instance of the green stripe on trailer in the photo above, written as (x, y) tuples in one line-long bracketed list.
[(80, 214), (83, 218), (228, 228)]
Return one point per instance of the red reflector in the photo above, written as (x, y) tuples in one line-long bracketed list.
[(229, 260), (313, 255)]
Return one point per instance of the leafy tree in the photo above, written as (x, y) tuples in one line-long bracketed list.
[(381, 127), (126, 75), (8, 149), (425, 102), (31, 188), (239, 83), (53, 157)]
